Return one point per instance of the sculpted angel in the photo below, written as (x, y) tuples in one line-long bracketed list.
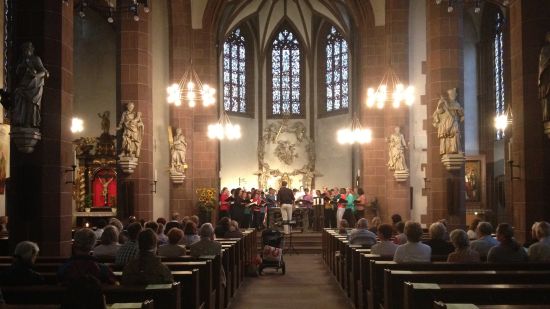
[(132, 126)]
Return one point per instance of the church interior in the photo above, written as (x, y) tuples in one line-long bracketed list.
[(331, 151)]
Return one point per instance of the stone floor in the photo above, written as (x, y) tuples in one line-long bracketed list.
[(307, 284)]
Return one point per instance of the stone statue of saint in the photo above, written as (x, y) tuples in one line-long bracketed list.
[(447, 118), (27, 97), (177, 151), (396, 151), (544, 79), (105, 121), (263, 175), (132, 136)]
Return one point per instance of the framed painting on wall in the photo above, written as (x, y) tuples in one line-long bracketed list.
[(474, 180)]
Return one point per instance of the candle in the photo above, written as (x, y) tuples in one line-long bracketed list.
[(155, 177), (74, 158), (358, 173), (87, 224)]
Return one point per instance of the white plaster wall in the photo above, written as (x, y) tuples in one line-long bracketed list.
[(334, 161), (94, 71), (238, 157), (471, 114), (160, 76), (418, 113)]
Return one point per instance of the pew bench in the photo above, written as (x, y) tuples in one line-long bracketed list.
[(442, 305)]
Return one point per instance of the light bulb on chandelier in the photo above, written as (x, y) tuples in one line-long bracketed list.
[(354, 134), (77, 125), (390, 84)]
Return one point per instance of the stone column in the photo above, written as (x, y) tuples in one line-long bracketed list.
[(444, 71), (134, 76), (38, 199), (198, 45), (530, 194)]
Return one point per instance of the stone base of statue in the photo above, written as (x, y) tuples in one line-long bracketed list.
[(25, 138), (547, 128), (401, 176), (128, 164), (177, 177), (453, 161)]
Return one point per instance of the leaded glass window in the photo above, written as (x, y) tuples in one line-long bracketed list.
[(234, 73), (285, 74), (337, 71), (498, 66)]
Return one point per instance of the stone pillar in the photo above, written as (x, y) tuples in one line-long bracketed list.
[(444, 71), (530, 194), (38, 199), (134, 76), (397, 32), (198, 45)]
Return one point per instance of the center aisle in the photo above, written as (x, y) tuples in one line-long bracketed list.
[(307, 284)]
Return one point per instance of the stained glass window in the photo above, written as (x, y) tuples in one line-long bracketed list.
[(337, 71), (285, 74), (498, 66), (234, 73)]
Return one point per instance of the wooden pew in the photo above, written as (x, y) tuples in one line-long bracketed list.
[(376, 295), (442, 305), (164, 296), (394, 280), (423, 295), (148, 304)]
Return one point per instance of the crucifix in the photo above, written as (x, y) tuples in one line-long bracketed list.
[(105, 191)]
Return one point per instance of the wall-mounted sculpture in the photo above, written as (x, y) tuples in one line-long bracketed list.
[(396, 152), (132, 128), (178, 149), (447, 118), (290, 145), (25, 102), (544, 83)]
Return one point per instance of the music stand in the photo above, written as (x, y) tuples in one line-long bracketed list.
[(290, 246)]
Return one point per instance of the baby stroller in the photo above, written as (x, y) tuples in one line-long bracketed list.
[(272, 250)]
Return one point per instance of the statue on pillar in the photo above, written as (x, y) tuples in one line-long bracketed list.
[(396, 153), (132, 126), (178, 149), (544, 83), (447, 119), (105, 121)]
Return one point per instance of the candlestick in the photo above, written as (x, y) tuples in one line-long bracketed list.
[(155, 177), (75, 160)]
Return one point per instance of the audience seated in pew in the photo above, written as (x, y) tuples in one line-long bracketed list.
[(385, 247), (400, 237), (101, 223), (508, 250), (413, 250), (173, 249), (122, 237), (222, 227), (438, 241), (84, 293), (234, 231), (361, 234), (472, 235), (540, 251), (462, 253), (343, 227), (82, 263), (146, 268), (130, 249), (484, 241), (109, 243), (375, 223), (207, 246), (21, 272), (163, 238), (190, 234)]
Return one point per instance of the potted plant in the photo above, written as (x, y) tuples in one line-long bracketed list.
[(206, 203), (88, 203)]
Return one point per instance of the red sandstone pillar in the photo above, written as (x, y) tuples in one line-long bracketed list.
[(444, 71), (38, 199), (134, 78), (530, 194)]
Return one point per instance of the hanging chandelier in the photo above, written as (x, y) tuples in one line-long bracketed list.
[(224, 129), (503, 120), (390, 84), (77, 125), (109, 7), (354, 134), (190, 89)]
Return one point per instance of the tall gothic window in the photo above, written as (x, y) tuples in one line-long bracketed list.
[(234, 73), (498, 46), (286, 81), (336, 71)]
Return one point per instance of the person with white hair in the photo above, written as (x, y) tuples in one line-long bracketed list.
[(440, 246), (540, 251), (82, 263), (20, 272), (207, 246), (361, 234), (462, 253)]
